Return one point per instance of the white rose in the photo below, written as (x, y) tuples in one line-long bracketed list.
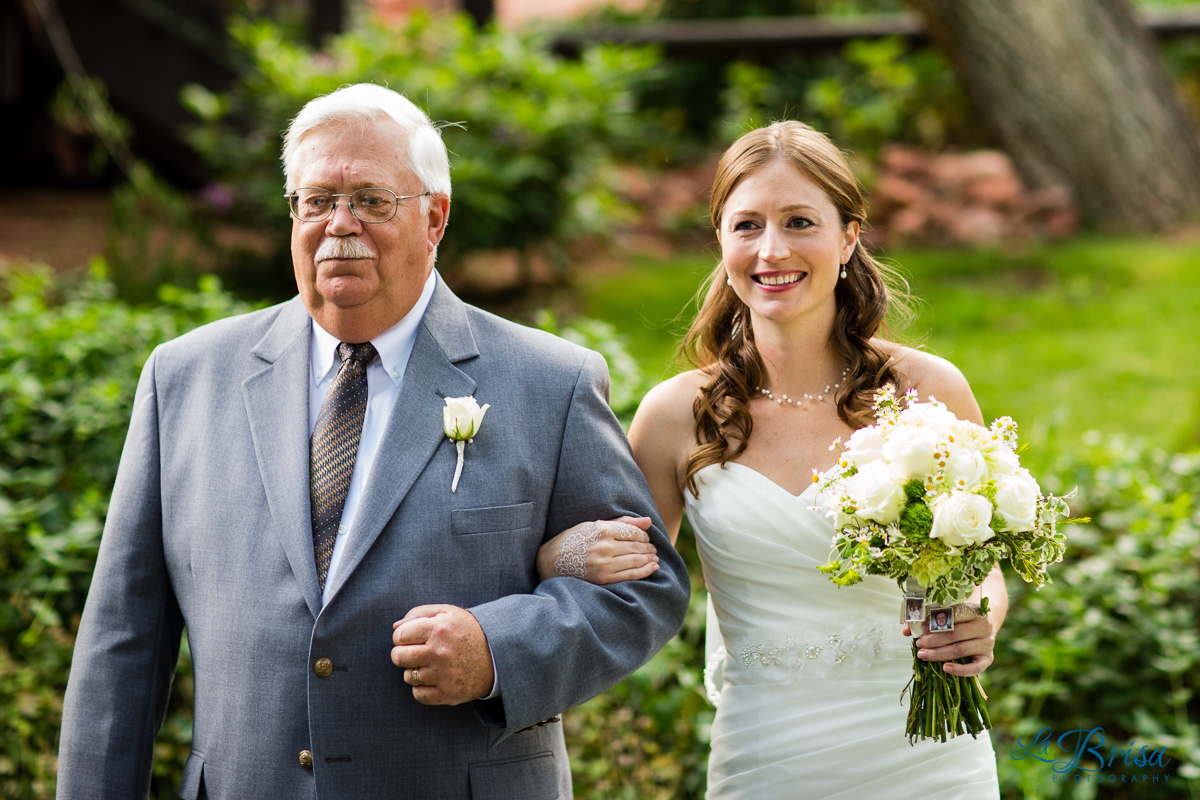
[(1016, 501), (865, 445), (961, 519), (876, 494), (928, 415), (966, 469), (910, 452), (462, 417), (1001, 459)]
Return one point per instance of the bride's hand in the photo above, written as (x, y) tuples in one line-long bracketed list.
[(600, 552), (973, 639)]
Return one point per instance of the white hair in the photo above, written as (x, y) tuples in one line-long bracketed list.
[(365, 102)]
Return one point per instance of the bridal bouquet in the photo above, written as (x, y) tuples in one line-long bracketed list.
[(935, 502)]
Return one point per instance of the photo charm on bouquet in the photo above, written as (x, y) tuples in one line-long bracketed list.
[(936, 502), (913, 610), (941, 619)]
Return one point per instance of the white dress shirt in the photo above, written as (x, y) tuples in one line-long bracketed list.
[(384, 378)]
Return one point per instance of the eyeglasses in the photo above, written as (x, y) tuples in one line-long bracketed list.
[(372, 205)]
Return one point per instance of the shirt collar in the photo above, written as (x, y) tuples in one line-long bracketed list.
[(393, 345)]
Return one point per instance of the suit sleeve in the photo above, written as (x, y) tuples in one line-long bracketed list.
[(128, 642), (571, 640)]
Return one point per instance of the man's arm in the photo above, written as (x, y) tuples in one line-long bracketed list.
[(128, 642), (571, 640)]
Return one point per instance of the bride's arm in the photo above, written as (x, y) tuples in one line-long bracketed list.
[(936, 377), (662, 436), (619, 550)]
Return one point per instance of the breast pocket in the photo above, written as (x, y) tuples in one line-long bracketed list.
[(491, 519)]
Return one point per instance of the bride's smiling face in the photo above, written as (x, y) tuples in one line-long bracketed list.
[(783, 243)]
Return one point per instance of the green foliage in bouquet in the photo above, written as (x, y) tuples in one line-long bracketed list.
[(532, 135), (70, 356)]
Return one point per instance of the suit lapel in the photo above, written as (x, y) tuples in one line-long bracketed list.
[(277, 406), (414, 429)]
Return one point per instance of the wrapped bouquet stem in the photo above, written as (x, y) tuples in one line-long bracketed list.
[(935, 502)]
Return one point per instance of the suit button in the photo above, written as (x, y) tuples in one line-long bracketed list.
[(323, 667), (306, 759)]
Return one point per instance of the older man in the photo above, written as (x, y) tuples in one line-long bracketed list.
[(285, 494)]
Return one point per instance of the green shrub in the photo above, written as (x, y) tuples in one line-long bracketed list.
[(868, 94), (70, 356), (713, 9), (627, 380), (532, 135), (647, 738), (1114, 641), (872, 93)]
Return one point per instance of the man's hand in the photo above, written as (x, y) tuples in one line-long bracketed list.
[(444, 654)]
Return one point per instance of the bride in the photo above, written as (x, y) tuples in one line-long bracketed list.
[(808, 675)]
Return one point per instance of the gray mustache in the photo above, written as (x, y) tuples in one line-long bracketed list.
[(343, 247)]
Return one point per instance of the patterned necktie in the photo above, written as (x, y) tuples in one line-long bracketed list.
[(333, 448)]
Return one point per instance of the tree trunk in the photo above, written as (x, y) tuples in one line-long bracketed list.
[(1076, 92), (324, 20), (482, 11)]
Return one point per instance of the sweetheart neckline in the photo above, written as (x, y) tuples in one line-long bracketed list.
[(761, 475)]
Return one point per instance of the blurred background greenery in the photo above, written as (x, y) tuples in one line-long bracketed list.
[(580, 174)]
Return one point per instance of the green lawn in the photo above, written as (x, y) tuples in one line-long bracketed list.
[(1092, 334)]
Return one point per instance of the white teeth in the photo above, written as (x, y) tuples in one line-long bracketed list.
[(779, 280)]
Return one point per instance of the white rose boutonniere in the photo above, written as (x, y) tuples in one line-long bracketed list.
[(462, 418)]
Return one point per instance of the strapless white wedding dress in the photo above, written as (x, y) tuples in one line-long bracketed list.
[(808, 674)]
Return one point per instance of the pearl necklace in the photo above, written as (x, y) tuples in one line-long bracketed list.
[(812, 398)]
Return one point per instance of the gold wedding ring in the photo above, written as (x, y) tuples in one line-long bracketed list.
[(416, 676)]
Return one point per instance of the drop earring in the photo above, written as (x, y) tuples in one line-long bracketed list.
[(728, 281), (843, 270)]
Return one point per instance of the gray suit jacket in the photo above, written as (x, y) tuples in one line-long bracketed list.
[(209, 529)]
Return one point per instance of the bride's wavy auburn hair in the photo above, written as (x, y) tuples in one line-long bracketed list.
[(720, 340)]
